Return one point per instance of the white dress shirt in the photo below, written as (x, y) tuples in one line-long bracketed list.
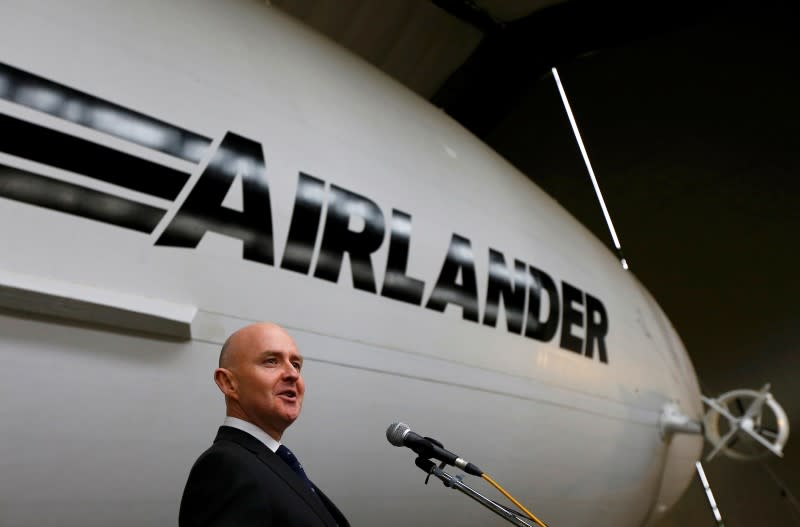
[(253, 430)]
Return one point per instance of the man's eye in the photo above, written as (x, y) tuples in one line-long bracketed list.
[(297, 365)]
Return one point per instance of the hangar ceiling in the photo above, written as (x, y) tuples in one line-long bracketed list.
[(413, 41), (478, 59)]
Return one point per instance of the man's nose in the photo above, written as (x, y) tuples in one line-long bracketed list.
[(290, 372)]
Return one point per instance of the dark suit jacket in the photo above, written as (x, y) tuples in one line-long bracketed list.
[(239, 482)]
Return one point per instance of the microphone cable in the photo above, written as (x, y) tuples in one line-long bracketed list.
[(496, 485)]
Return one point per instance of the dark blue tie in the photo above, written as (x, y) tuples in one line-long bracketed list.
[(290, 459)]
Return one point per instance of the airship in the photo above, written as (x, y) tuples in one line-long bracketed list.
[(172, 171)]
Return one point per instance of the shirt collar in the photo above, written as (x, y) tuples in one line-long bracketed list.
[(253, 430)]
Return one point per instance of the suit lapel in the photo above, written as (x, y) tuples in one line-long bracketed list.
[(277, 465)]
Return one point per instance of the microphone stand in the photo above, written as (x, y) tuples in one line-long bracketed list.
[(457, 483)]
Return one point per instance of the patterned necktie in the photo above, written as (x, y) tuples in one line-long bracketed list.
[(290, 459)]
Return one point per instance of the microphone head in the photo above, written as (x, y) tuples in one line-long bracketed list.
[(396, 432)]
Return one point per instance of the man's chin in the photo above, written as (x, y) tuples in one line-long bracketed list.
[(290, 415)]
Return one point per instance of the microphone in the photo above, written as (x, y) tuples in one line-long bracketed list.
[(400, 434)]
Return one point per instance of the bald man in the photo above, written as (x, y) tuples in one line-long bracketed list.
[(247, 477)]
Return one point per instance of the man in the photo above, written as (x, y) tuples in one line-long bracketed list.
[(247, 477)]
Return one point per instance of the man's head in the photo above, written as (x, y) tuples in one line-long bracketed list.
[(259, 373)]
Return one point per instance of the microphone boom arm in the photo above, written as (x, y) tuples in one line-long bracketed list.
[(456, 483)]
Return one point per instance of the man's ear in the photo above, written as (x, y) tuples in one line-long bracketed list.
[(226, 381)]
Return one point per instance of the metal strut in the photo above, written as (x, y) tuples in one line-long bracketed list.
[(457, 483)]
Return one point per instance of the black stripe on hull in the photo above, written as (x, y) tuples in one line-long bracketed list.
[(60, 101), (37, 143), (61, 196)]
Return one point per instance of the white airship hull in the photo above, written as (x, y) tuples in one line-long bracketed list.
[(111, 331)]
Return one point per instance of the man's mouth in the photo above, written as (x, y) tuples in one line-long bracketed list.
[(289, 394)]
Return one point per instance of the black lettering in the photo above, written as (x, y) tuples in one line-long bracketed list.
[(570, 316), (511, 290), (305, 224), (338, 239), (447, 289), (396, 284), (203, 211), (596, 328), (534, 327)]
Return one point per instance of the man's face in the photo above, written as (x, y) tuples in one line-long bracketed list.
[(266, 367)]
